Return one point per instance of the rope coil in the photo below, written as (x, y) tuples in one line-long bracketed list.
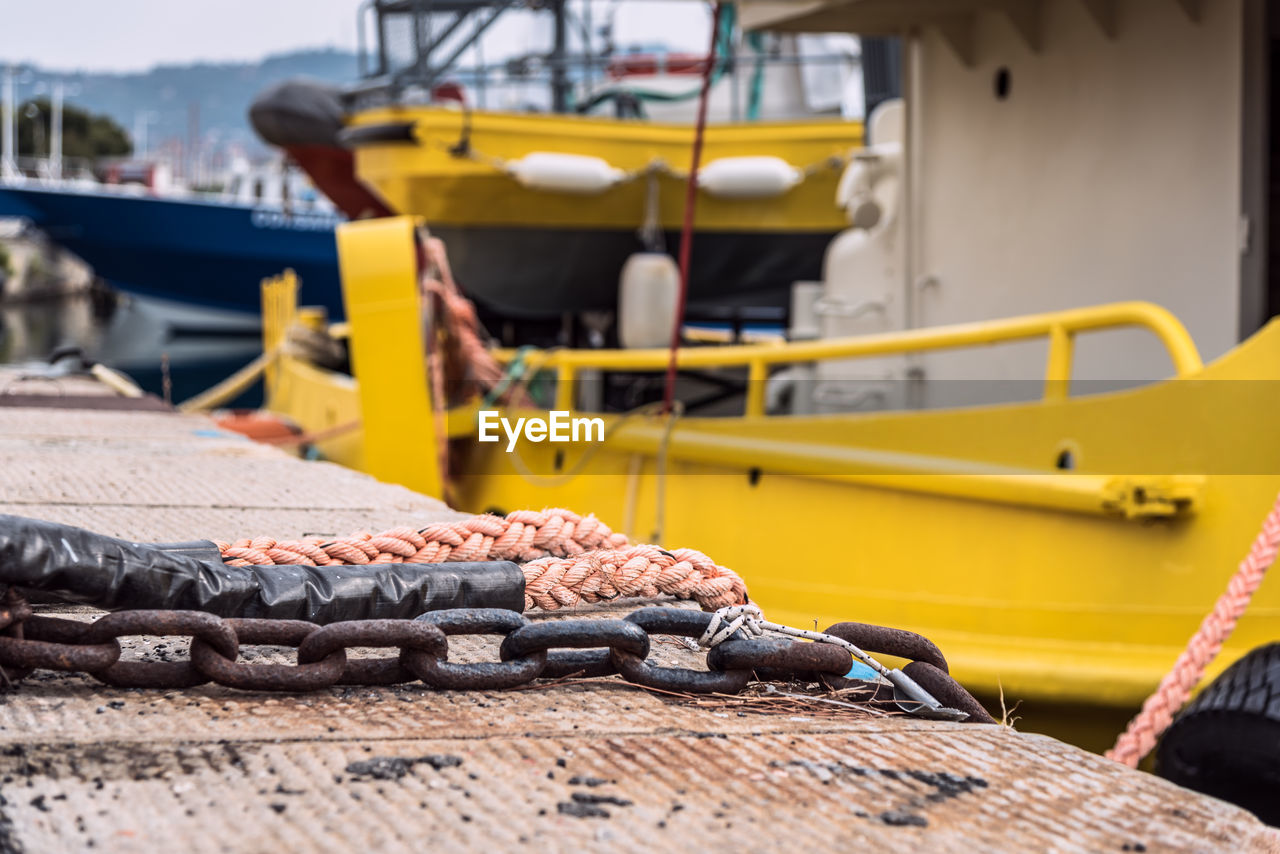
[(567, 559)]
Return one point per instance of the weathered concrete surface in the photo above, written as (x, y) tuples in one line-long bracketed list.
[(86, 767), (163, 477)]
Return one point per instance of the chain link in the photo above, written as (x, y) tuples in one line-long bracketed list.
[(774, 660), (50, 644), (14, 611), (439, 672), (576, 635), (303, 676), (689, 624), (158, 674), (554, 649), (400, 635)]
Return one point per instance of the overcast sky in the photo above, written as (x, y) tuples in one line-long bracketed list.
[(133, 35)]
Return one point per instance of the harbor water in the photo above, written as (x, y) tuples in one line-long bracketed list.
[(125, 333)]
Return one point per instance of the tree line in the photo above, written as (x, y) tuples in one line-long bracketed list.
[(84, 134)]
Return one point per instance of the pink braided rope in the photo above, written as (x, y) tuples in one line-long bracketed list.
[(566, 558), (1176, 687), (637, 571)]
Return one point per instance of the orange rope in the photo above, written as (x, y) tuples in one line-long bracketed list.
[(462, 327), (1176, 687), (567, 558), (438, 263)]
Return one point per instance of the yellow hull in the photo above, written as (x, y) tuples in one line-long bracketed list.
[(1066, 587), (427, 178)]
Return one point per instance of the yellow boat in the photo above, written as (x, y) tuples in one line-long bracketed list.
[(541, 210), (1061, 587), (530, 250), (1061, 546)]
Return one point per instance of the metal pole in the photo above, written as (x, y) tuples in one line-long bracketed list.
[(559, 73), (55, 132), (434, 73), (7, 169), (383, 65), (482, 77), (362, 56), (735, 106), (193, 144), (140, 134), (419, 25), (587, 41)]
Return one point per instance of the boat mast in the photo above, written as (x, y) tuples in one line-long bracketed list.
[(7, 164), (559, 53), (55, 131)]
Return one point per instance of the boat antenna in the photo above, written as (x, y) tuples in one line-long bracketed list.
[(690, 202)]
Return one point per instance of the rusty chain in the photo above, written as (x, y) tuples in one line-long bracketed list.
[(556, 649)]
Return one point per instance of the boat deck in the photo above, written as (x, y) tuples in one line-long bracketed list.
[(597, 764)]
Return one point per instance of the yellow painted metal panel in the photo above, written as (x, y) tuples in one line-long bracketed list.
[(378, 263), (1023, 596)]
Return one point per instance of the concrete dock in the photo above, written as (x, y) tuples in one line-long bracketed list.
[(87, 767)]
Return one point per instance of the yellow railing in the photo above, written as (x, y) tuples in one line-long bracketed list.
[(1060, 327)]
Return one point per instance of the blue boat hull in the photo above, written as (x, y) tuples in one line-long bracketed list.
[(201, 254), (13, 207)]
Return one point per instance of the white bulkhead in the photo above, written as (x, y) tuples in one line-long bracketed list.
[(1054, 153), (1110, 170), (863, 273)]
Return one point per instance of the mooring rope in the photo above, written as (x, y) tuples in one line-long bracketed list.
[(1157, 713), (466, 351), (567, 559), (690, 203)]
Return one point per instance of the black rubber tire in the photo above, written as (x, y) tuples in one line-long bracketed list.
[(1226, 743)]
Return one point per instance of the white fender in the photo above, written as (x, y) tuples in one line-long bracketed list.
[(748, 177), (564, 173)]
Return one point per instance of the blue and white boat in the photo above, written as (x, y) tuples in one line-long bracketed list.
[(198, 259)]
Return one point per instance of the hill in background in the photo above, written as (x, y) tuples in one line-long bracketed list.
[(163, 97)]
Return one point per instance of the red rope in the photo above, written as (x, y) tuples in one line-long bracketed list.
[(1158, 711), (690, 203)]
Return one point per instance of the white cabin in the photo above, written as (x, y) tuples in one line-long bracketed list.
[(1059, 153)]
